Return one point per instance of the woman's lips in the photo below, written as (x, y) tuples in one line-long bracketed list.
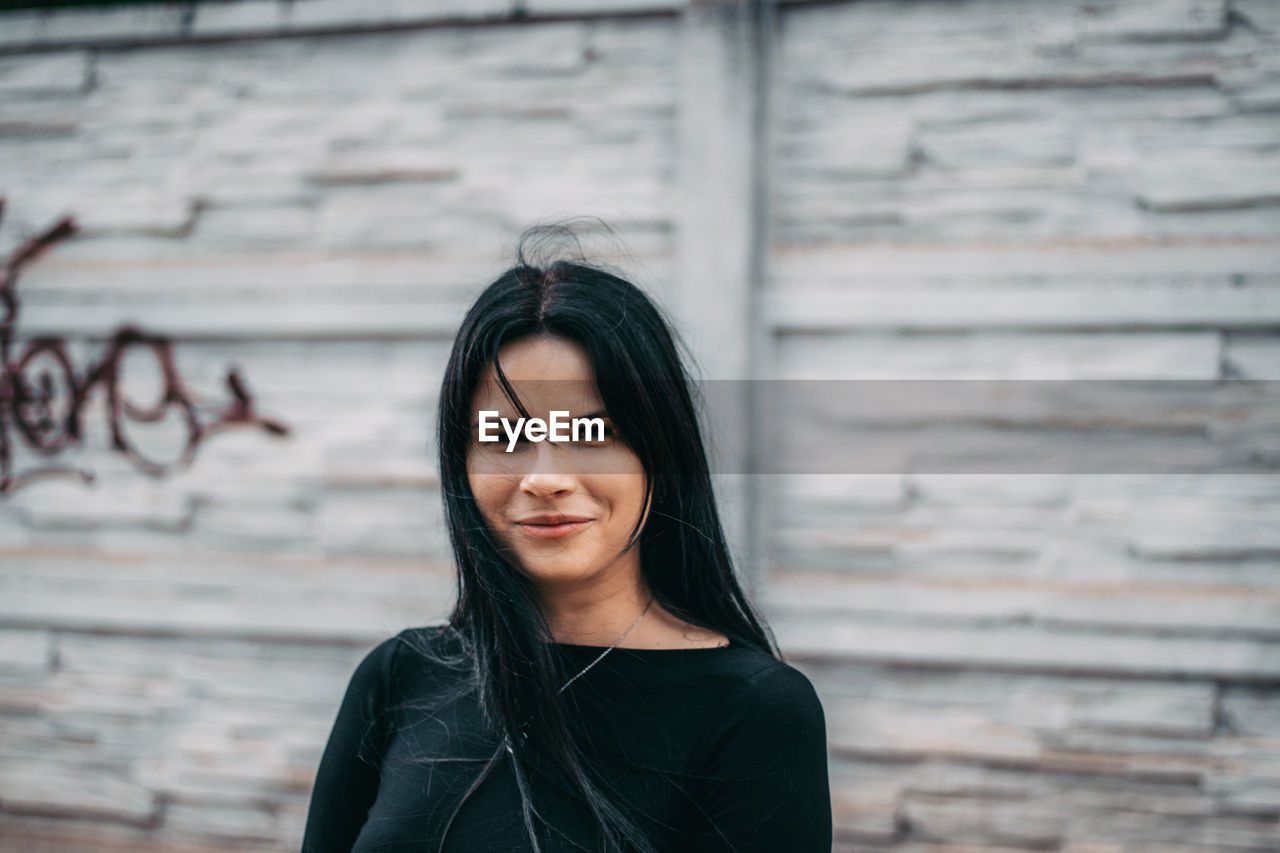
[(552, 528)]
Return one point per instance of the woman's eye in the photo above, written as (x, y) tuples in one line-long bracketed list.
[(501, 445), (592, 437)]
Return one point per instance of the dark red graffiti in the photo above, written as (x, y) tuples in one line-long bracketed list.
[(43, 398)]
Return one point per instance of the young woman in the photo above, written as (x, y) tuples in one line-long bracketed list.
[(602, 683)]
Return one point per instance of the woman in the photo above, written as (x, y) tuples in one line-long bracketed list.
[(602, 683)]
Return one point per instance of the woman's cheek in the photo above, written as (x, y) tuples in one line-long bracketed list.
[(487, 491)]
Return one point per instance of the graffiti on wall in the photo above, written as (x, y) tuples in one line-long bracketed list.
[(43, 398)]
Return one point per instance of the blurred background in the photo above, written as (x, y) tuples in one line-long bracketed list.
[(309, 192)]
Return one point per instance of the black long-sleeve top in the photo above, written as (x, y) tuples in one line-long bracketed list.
[(716, 749)]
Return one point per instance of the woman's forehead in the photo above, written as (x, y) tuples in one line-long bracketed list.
[(578, 397), (547, 373), (545, 357)]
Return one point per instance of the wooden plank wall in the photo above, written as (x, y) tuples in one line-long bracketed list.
[(986, 189), (1039, 660)]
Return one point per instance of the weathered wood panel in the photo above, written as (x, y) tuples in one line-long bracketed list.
[(1029, 193), (984, 190)]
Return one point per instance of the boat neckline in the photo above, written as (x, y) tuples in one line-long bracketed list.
[(730, 645)]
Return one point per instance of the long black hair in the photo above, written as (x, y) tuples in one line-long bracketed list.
[(684, 558)]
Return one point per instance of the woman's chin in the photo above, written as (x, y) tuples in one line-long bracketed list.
[(548, 576)]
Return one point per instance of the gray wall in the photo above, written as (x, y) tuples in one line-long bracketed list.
[(874, 190)]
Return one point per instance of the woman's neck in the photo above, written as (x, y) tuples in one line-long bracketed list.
[(598, 615), (620, 614)]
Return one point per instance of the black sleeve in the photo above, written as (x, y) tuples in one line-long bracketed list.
[(347, 780), (765, 786)]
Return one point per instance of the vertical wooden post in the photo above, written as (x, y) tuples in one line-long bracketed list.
[(720, 241)]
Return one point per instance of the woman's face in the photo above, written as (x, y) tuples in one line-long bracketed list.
[(562, 511)]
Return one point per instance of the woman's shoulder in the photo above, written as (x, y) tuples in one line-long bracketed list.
[(430, 639), (745, 680), (439, 647), (759, 679), (764, 705)]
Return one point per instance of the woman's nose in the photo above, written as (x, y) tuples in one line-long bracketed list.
[(548, 476)]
